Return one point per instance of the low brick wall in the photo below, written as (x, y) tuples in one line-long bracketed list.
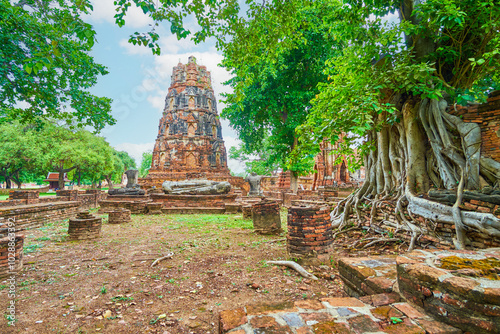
[(266, 217), (193, 201), (451, 295), (309, 231), (9, 247), (84, 226), (36, 215), (136, 207), (247, 211)]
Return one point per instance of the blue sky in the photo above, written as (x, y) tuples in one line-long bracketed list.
[(138, 81)]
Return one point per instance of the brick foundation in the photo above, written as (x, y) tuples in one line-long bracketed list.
[(119, 216), (6, 267), (470, 302), (136, 207), (84, 226), (309, 231), (194, 201)]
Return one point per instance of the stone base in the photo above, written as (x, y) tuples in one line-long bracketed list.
[(367, 276), (247, 211), (232, 208), (135, 207)]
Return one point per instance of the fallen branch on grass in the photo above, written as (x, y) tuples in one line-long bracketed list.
[(295, 266), (99, 259), (168, 256)]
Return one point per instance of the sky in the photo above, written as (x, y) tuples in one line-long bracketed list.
[(138, 81)]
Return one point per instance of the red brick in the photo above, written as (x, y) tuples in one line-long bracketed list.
[(343, 302), (231, 319)]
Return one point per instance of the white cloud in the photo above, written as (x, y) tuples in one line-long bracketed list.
[(135, 150), (104, 10)]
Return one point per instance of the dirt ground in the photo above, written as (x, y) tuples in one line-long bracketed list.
[(107, 285)]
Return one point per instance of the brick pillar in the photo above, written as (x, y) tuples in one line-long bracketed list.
[(309, 232), (266, 217), (17, 261), (84, 226)]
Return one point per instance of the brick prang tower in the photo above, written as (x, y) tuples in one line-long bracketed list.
[(189, 143)]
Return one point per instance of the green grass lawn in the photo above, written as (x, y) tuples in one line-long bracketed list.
[(6, 197)]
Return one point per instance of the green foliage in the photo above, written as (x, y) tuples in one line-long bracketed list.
[(272, 94), (258, 163), (45, 68), (147, 159), (29, 152)]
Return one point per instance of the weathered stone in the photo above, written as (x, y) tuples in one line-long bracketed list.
[(132, 188), (331, 327), (266, 308), (386, 312), (363, 323), (11, 254), (231, 319), (119, 216), (309, 304), (196, 187), (409, 310), (435, 327), (84, 226), (348, 302)]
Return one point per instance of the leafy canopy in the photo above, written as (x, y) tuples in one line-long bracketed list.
[(45, 68)]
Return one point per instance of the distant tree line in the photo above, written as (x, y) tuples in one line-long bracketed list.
[(29, 151)]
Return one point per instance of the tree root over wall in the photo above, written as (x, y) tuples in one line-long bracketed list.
[(427, 148)]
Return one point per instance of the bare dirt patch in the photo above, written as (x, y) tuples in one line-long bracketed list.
[(107, 285)]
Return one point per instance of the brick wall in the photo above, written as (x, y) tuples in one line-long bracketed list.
[(36, 215), (7, 267), (487, 115)]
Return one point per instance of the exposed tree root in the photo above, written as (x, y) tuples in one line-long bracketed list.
[(429, 147), (295, 266), (168, 256)]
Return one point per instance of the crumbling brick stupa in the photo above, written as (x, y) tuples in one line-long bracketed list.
[(189, 144)]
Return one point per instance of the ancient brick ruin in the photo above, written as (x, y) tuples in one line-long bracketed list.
[(84, 226), (189, 144)]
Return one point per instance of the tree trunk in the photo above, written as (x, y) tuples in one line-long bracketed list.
[(8, 183), (110, 183)]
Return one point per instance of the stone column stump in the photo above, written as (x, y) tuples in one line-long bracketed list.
[(119, 216), (154, 208), (84, 226), (309, 233), (266, 217), (11, 260)]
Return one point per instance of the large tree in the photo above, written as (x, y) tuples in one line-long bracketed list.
[(19, 152), (45, 68), (271, 96)]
